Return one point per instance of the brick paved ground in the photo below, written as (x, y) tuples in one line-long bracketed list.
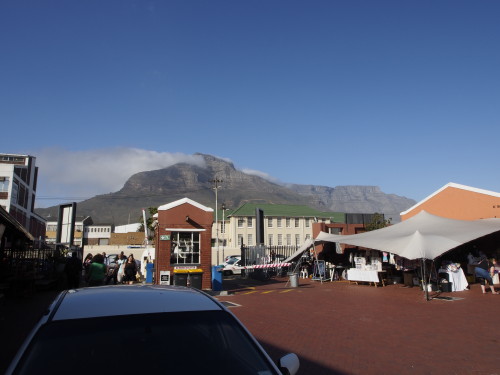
[(338, 328), (342, 328)]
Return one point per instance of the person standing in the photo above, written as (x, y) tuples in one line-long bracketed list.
[(97, 271), (130, 270)]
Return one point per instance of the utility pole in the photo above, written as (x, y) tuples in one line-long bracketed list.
[(216, 187)]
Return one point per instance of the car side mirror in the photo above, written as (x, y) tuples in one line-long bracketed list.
[(289, 364)]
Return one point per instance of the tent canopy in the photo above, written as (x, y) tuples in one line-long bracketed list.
[(306, 245), (422, 236)]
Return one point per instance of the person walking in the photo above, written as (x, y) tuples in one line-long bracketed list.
[(130, 270)]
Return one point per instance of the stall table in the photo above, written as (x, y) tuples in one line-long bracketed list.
[(368, 276), (457, 278)]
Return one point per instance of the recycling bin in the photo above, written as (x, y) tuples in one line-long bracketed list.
[(217, 278)]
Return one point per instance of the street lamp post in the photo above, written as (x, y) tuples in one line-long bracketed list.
[(223, 230)]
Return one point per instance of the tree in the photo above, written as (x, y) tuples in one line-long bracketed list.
[(149, 221), (378, 221)]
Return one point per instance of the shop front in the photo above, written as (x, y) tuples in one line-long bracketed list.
[(183, 245)]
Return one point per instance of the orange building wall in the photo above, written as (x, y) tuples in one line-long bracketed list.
[(459, 204)]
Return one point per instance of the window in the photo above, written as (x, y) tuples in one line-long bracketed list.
[(15, 191), (250, 240), (288, 239), (297, 222), (280, 240), (288, 222), (269, 240), (308, 222), (249, 222), (223, 226), (240, 240), (297, 239), (185, 248), (4, 184), (269, 222), (241, 222), (278, 220), (308, 236)]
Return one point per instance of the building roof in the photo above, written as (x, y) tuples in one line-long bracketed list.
[(456, 186), (168, 206), (285, 210)]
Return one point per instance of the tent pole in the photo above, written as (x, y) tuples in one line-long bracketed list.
[(424, 281)]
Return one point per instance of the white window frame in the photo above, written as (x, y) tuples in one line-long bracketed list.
[(241, 222)]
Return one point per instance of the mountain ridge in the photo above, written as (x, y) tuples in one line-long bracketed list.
[(157, 187)]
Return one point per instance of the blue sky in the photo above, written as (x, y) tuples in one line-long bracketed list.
[(404, 95)]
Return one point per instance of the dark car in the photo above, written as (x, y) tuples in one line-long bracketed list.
[(145, 329)]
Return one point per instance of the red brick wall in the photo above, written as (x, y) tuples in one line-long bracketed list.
[(185, 216)]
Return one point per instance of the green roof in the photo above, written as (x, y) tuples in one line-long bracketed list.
[(285, 210)]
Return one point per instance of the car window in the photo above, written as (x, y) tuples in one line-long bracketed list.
[(232, 261), (168, 343)]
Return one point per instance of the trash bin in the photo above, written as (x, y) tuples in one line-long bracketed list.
[(195, 278), (216, 278), (294, 280), (149, 273), (180, 277)]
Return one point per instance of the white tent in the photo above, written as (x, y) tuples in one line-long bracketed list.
[(305, 246), (423, 236)]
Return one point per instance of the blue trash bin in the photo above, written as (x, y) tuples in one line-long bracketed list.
[(216, 278), (149, 273)]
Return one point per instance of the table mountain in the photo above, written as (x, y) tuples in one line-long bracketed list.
[(154, 188)]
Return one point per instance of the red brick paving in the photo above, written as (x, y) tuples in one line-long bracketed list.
[(341, 328)]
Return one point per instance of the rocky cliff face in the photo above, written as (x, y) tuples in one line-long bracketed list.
[(154, 188)]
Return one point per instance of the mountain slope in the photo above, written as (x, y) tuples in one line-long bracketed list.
[(154, 188)]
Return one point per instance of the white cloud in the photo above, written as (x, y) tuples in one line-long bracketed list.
[(66, 175), (262, 175)]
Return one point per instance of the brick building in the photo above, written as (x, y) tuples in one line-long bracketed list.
[(460, 202), (183, 242)]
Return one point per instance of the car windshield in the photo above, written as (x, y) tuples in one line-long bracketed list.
[(232, 261), (198, 342)]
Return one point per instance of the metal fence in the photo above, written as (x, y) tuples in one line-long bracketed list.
[(24, 270), (257, 255)]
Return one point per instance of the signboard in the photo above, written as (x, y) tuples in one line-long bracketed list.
[(165, 237), (164, 277)]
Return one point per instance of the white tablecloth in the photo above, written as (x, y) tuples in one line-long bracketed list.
[(458, 279), (354, 274)]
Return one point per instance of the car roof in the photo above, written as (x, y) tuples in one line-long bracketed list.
[(115, 300)]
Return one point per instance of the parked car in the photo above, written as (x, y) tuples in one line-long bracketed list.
[(166, 329), (229, 257), (232, 267)]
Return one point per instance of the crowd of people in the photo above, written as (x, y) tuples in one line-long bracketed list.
[(99, 269)]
